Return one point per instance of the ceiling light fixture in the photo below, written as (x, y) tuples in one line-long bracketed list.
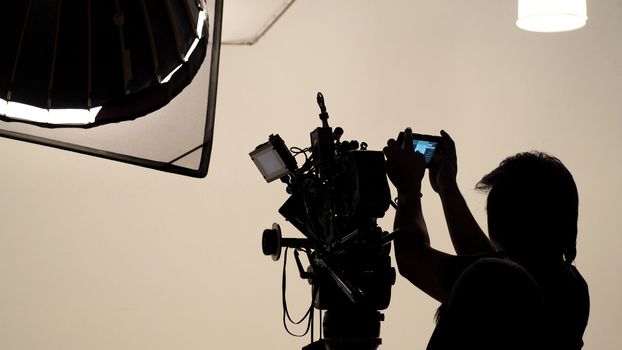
[(549, 16)]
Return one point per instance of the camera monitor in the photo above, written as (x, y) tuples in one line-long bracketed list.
[(269, 163), (426, 145), (273, 159)]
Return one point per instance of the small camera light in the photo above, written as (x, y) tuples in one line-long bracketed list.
[(273, 159), (269, 162)]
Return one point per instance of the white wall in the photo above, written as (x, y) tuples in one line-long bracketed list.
[(101, 255)]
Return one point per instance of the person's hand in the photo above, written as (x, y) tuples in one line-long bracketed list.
[(404, 166), (444, 168)]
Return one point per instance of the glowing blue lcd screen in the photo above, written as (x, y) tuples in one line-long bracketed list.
[(426, 148)]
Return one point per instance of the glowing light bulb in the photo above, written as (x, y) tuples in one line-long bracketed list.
[(550, 16)]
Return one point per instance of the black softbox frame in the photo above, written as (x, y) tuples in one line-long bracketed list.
[(115, 55)]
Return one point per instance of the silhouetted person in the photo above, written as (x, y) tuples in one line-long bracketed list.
[(516, 290)]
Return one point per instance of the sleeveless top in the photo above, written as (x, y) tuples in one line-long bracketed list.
[(496, 303)]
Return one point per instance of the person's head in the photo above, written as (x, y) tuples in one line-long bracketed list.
[(532, 206)]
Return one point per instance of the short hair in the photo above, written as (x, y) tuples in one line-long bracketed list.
[(532, 205)]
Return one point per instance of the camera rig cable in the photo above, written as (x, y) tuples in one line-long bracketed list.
[(286, 316)]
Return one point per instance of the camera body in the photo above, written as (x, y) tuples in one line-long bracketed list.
[(335, 199), (337, 212)]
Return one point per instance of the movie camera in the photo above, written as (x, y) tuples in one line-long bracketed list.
[(336, 196)]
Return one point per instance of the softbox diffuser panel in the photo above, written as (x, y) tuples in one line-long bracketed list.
[(167, 125)]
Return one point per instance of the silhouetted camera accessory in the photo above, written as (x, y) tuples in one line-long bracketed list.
[(336, 196)]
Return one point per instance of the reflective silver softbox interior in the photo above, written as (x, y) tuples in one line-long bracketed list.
[(128, 80)]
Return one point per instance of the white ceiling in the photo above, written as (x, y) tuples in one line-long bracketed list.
[(245, 21)]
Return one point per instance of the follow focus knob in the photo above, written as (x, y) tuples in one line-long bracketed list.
[(271, 242)]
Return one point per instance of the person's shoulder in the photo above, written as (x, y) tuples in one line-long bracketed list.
[(455, 266), (495, 303), (494, 280), (563, 280), (494, 289), (576, 276)]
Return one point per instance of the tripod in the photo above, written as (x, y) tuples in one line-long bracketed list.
[(349, 329)]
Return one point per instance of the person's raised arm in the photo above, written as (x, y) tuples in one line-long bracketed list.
[(416, 260), (466, 235)]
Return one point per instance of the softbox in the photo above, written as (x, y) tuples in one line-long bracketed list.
[(128, 80)]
